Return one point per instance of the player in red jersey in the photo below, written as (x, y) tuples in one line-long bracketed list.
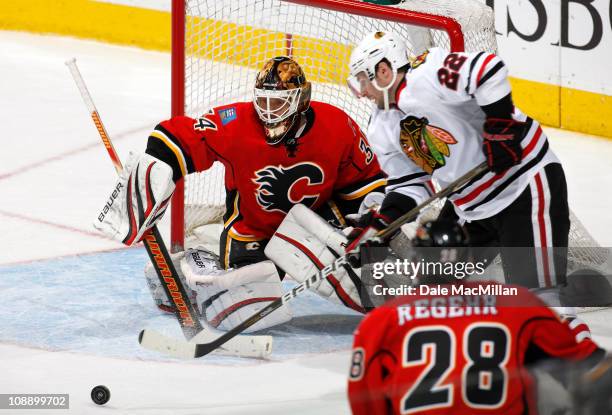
[(279, 150), (282, 150), (461, 352)]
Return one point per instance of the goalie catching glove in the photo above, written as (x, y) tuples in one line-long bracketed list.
[(304, 244), (138, 200)]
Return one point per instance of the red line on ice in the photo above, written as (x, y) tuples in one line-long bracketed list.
[(49, 258), (54, 225), (51, 159)]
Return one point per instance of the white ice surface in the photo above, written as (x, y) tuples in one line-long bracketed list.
[(307, 385), (55, 175)]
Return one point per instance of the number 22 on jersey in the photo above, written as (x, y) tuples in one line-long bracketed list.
[(449, 74)]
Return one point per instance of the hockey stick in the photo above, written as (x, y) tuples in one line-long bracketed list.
[(250, 346), (204, 348), (447, 191)]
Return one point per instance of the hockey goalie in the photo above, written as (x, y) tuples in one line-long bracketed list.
[(280, 150)]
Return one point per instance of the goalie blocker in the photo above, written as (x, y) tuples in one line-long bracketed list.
[(138, 200)]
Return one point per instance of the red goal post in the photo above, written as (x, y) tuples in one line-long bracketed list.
[(236, 34)]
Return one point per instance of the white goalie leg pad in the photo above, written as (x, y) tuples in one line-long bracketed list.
[(138, 199), (303, 244), (157, 288), (228, 297)]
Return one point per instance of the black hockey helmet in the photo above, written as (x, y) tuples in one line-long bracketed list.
[(442, 246), (440, 233)]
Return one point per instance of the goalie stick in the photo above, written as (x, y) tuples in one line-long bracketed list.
[(196, 349), (248, 346)]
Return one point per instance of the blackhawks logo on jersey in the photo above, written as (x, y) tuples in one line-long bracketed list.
[(418, 60), (279, 187), (425, 144)]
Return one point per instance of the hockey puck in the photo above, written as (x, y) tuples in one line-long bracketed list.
[(100, 394)]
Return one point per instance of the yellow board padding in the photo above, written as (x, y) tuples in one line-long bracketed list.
[(151, 29), (538, 100), (566, 108), (124, 25), (321, 60), (239, 45), (552, 105), (586, 112)]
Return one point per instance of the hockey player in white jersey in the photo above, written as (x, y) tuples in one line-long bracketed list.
[(439, 115)]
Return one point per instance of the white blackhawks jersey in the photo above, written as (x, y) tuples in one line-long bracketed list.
[(435, 131)]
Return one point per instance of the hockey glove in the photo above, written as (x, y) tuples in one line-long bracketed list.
[(138, 199), (502, 143), (365, 227)]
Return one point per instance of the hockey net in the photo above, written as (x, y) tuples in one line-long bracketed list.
[(219, 45)]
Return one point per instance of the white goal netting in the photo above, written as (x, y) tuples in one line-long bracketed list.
[(227, 42)]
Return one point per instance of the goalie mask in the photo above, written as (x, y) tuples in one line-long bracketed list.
[(281, 94), (373, 49)]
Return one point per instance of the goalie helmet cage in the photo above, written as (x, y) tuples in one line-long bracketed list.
[(219, 45)]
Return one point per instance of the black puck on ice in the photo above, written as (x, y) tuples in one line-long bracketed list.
[(100, 394)]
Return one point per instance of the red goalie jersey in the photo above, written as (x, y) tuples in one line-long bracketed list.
[(457, 354), (329, 163)]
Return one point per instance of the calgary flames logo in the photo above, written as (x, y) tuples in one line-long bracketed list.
[(425, 144), (279, 188)]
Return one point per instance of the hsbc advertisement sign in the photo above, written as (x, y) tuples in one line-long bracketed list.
[(561, 42)]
